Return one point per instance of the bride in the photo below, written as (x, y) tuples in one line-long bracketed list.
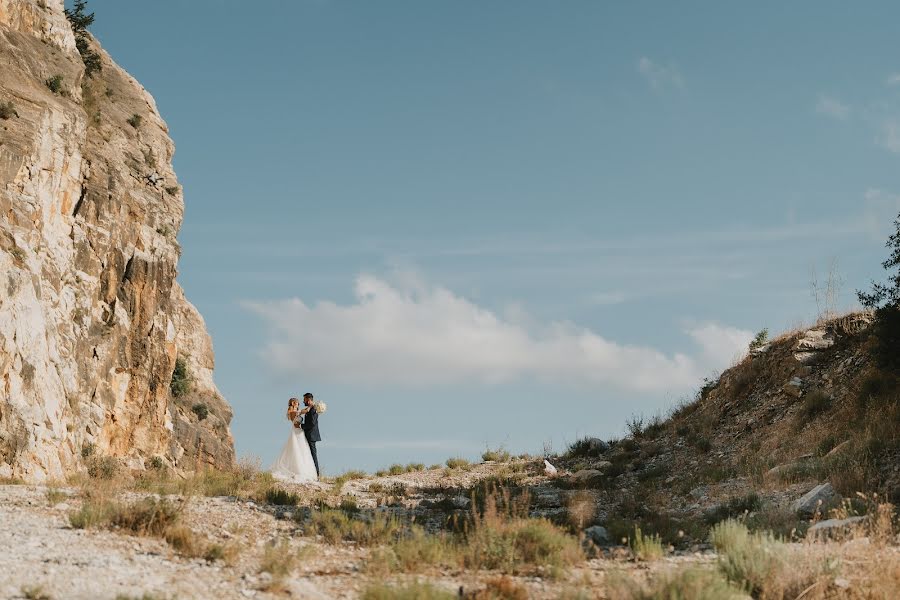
[(295, 463)]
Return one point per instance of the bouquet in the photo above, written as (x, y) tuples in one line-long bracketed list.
[(320, 407)]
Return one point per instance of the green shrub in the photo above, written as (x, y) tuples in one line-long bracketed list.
[(734, 507), (281, 497), (157, 463), (181, 379), (201, 410), (584, 448), (760, 340), (55, 84), (172, 190), (135, 120), (750, 560)]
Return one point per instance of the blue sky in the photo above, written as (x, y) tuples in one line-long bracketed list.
[(467, 223)]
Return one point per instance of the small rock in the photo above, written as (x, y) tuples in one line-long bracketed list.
[(586, 475), (814, 499), (61, 506)]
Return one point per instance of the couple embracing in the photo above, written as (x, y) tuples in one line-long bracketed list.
[(299, 461)]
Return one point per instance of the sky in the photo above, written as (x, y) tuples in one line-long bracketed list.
[(479, 224)]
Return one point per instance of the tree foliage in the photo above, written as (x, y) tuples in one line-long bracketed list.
[(884, 298), (80, 20)]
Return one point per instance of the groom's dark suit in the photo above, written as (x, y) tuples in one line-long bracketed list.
[(311, 430)]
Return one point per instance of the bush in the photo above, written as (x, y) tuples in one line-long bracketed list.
[(512, 544), (457, 463), (735, 507), (201, 410), (585, 447), (500, 588), (336, 526), (760, 340), (7, 110), (157, 463), (412, 591), (814, 403), (498, 455), (281, 497), (885, 300), (80, 22), (102, 467), (55, 84), (135, 120), (687, 584), (753, 561), (646, 547), (181, 379)]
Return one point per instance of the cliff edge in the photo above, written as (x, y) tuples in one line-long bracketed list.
[(92, 320)]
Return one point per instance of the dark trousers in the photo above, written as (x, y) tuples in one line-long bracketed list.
[(312, 450)]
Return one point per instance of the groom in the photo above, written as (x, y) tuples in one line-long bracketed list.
[(311, 428)]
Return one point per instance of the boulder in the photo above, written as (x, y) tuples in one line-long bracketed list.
[(814, 499), (549, 469), (815, 340), (598, 535), (460, 502), (596, 445), (832, 528), (794, 387)]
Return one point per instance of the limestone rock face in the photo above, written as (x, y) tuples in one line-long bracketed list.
[(91, 318)]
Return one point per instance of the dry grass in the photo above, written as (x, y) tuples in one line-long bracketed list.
[(646, 547), (686, 584), (411, 591), (499, 588), (336, 526)]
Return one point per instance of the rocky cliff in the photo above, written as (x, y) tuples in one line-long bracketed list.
[(92, 319)]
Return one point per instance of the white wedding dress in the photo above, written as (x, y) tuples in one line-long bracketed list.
[(295, 463)]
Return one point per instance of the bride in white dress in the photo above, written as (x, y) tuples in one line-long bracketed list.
[(295, 463)]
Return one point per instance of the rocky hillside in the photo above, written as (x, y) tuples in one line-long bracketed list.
[(92, 320)]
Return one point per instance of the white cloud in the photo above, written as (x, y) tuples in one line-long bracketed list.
[(415, 334), (660, 76), (832, 107)]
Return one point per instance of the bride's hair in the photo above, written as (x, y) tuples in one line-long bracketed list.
[(293, 402)]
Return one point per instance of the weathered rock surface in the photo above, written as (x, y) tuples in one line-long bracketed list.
[(91, 318), (814, 499)]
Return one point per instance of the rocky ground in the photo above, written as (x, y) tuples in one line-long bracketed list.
[(47, 556)]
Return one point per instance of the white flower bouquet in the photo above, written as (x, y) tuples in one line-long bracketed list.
[(320, 407)]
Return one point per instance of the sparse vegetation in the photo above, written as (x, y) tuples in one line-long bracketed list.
[(201, 410), (102, 467), (135, 120), (281, 497), (814, 402), (646, 547), (336, 525), (410, 591), (173, 190), (181, 379), (496, 455), (759, 340), (686, 584), (55, 84), (457, 463)]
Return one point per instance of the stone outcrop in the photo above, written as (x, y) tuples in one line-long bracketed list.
[(91, 317)]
